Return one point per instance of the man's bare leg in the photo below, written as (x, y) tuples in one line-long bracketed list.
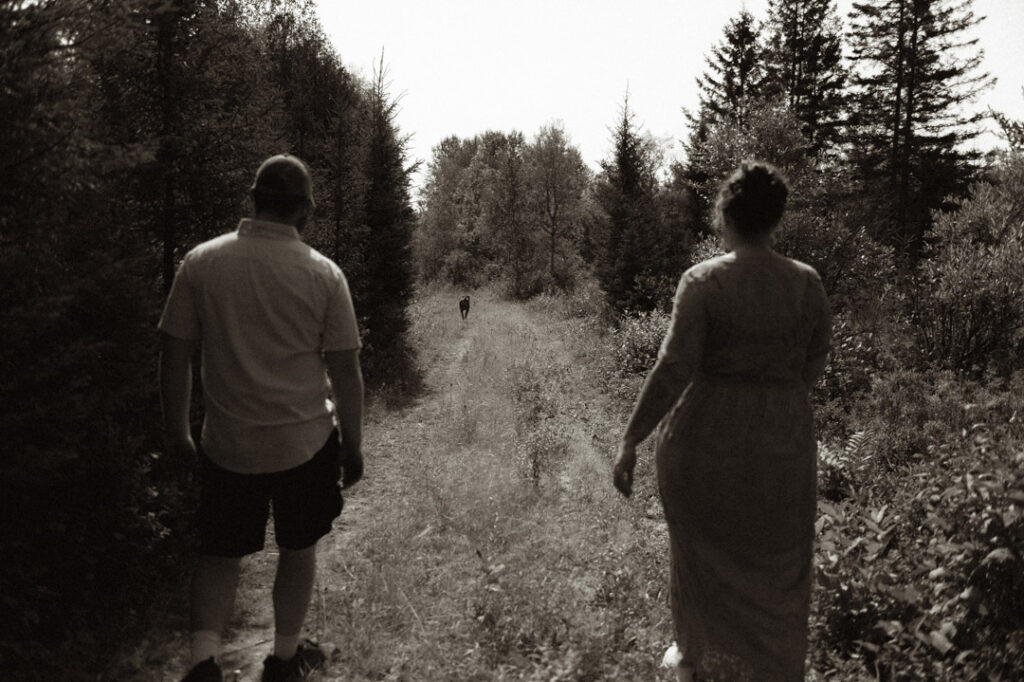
[(293, 588), (213, 598)]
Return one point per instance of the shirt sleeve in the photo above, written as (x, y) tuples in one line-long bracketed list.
[(341, 332), (180, 318), (821, 333), (684, 342)]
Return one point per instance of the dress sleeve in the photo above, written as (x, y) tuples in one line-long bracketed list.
[(180, 318), (341, 331), (821, 332), (684, 343)]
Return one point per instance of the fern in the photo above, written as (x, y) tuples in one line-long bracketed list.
[(857, 444)]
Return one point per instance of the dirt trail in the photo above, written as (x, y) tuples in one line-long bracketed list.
[(252, 629)]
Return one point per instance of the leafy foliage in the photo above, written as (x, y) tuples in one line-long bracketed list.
[(638, 339), (968, 313), (919, 566), (498, 209)]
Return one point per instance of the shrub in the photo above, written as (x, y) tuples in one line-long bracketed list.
[(539, 444), (638, 339), (967, 312), (919, 569)]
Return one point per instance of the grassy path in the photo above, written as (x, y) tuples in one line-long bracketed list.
[(486, 542)]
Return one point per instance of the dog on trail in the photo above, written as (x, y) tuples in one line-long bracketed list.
[(464, 307)]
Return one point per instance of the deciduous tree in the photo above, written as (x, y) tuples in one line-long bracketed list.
[(557, 180)]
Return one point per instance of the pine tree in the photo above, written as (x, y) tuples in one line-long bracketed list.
[(916, 72), (1011, 130), (382, 297), (803, 62), (626, 191), (736, 80), (735, 73)]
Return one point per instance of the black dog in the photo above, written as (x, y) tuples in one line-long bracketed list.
[(464, 306)]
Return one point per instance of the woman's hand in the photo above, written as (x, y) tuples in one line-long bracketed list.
[(622, 473)]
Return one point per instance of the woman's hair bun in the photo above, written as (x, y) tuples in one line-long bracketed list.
[(753, 197)]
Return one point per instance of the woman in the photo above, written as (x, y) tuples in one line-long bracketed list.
[(736, 458)]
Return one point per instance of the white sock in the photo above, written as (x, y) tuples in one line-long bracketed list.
[(205, 643), (285, 646)]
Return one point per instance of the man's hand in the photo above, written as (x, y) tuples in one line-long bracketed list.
[(182, 447), (351, 459), (622, 473), (347, 385), (176, 393)]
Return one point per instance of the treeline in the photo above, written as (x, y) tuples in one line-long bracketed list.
[(529, 216), (505, 210), (131, 132), (874, 144)]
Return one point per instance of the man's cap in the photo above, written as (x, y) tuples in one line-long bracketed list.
[(283, 176)]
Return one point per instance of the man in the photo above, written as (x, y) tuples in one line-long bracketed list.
[(274, 321)]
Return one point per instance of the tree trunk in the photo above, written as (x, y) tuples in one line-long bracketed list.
[(915, 231), (166, 152)]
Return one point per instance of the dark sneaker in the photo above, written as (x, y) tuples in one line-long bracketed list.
[(206, 671), (307, 658)]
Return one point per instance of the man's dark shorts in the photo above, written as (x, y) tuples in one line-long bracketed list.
[(233, 508)]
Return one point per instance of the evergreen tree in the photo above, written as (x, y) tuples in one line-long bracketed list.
[(387, 283), (132, 130), (735, 81), (347, 237), (916, 72), (803, 63), (625, 264), (735, 72), (1012, 130)]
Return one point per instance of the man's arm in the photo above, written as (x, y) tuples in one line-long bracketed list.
[(176, 390), (346, 377)]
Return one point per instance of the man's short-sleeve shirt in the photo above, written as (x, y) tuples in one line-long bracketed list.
[(265, 307)]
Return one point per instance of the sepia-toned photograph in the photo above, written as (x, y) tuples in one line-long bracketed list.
[(512, 340)]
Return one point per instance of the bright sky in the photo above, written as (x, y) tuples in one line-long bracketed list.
[(466, 66)]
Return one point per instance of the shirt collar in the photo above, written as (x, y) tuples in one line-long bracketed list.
[(250, 227)]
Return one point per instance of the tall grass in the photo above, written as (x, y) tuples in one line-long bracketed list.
[(496, 548)]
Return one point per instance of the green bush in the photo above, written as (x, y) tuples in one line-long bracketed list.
[(638, 339), (919, 566), (966, 311)]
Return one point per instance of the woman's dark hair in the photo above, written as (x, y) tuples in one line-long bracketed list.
[(753, 198)]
